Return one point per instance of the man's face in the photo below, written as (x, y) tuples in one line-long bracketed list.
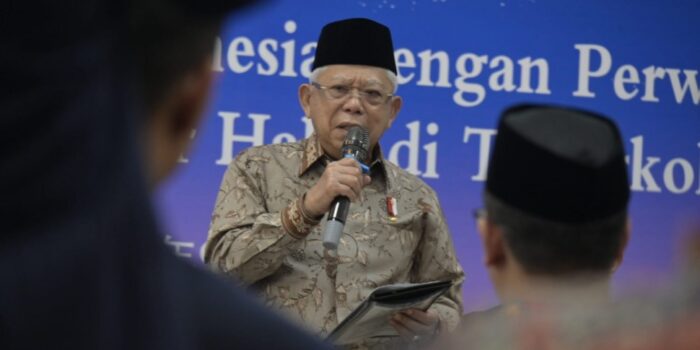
[(333, 116)]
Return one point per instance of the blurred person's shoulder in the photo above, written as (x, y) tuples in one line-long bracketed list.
[(486, 329), (478, 322), (223, 315)]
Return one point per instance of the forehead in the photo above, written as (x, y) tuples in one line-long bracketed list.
[(355, 74)]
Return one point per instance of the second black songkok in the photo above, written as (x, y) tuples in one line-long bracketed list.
[(357, 41), (559, 164)]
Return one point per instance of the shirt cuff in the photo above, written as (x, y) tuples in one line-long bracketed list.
[(296, 221)]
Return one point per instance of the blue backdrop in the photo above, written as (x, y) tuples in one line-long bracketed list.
[(461, 63)]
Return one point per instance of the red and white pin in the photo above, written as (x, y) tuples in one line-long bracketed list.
[(391, 208)]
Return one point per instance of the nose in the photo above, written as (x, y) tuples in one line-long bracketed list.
[(353, 103)]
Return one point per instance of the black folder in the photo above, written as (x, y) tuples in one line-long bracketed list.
[(371, 318)]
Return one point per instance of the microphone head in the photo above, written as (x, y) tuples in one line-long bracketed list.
[(356, 143)]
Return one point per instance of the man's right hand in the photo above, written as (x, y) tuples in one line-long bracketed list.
[(340, 178)]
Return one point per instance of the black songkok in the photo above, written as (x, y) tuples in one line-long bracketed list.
[(357, 41), (559, 164)]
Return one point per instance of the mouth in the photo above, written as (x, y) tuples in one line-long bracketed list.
[(347, 125)]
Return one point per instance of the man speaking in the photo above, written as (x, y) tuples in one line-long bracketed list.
[(266, 228)]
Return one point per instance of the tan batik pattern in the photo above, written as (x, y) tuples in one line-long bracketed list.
[(260, 236)]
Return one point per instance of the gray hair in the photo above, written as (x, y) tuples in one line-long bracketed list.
[(392, 77)]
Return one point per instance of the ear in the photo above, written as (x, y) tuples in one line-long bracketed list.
[(305, 99), (174, 118), (189, 100), (492, 242), (396, 103), (625, 239)]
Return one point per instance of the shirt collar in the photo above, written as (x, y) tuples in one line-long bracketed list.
[(313, 153)]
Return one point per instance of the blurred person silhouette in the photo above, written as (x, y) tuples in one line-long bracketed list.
[(82, 265), (555, 225), (555, 206)]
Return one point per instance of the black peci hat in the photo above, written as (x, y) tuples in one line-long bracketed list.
[(559, 164), (358, 41)]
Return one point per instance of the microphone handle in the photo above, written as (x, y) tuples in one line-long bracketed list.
[(339, 209), (336, 222)]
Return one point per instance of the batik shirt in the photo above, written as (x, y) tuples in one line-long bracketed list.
[(260, 235)]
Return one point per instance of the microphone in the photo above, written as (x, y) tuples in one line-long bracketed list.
[(355, 146)]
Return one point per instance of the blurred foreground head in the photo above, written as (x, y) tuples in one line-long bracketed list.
[(173, 44), (556, 198), (81, 262), (97, 95)]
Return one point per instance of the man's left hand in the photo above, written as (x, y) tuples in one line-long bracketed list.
[(414, 324)]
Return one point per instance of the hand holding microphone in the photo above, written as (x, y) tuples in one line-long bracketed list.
[(342, 181)]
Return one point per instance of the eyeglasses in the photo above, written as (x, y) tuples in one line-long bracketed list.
[(371, 96)]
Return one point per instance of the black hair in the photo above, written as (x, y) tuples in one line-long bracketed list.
[(170, 40), (545, 247)]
